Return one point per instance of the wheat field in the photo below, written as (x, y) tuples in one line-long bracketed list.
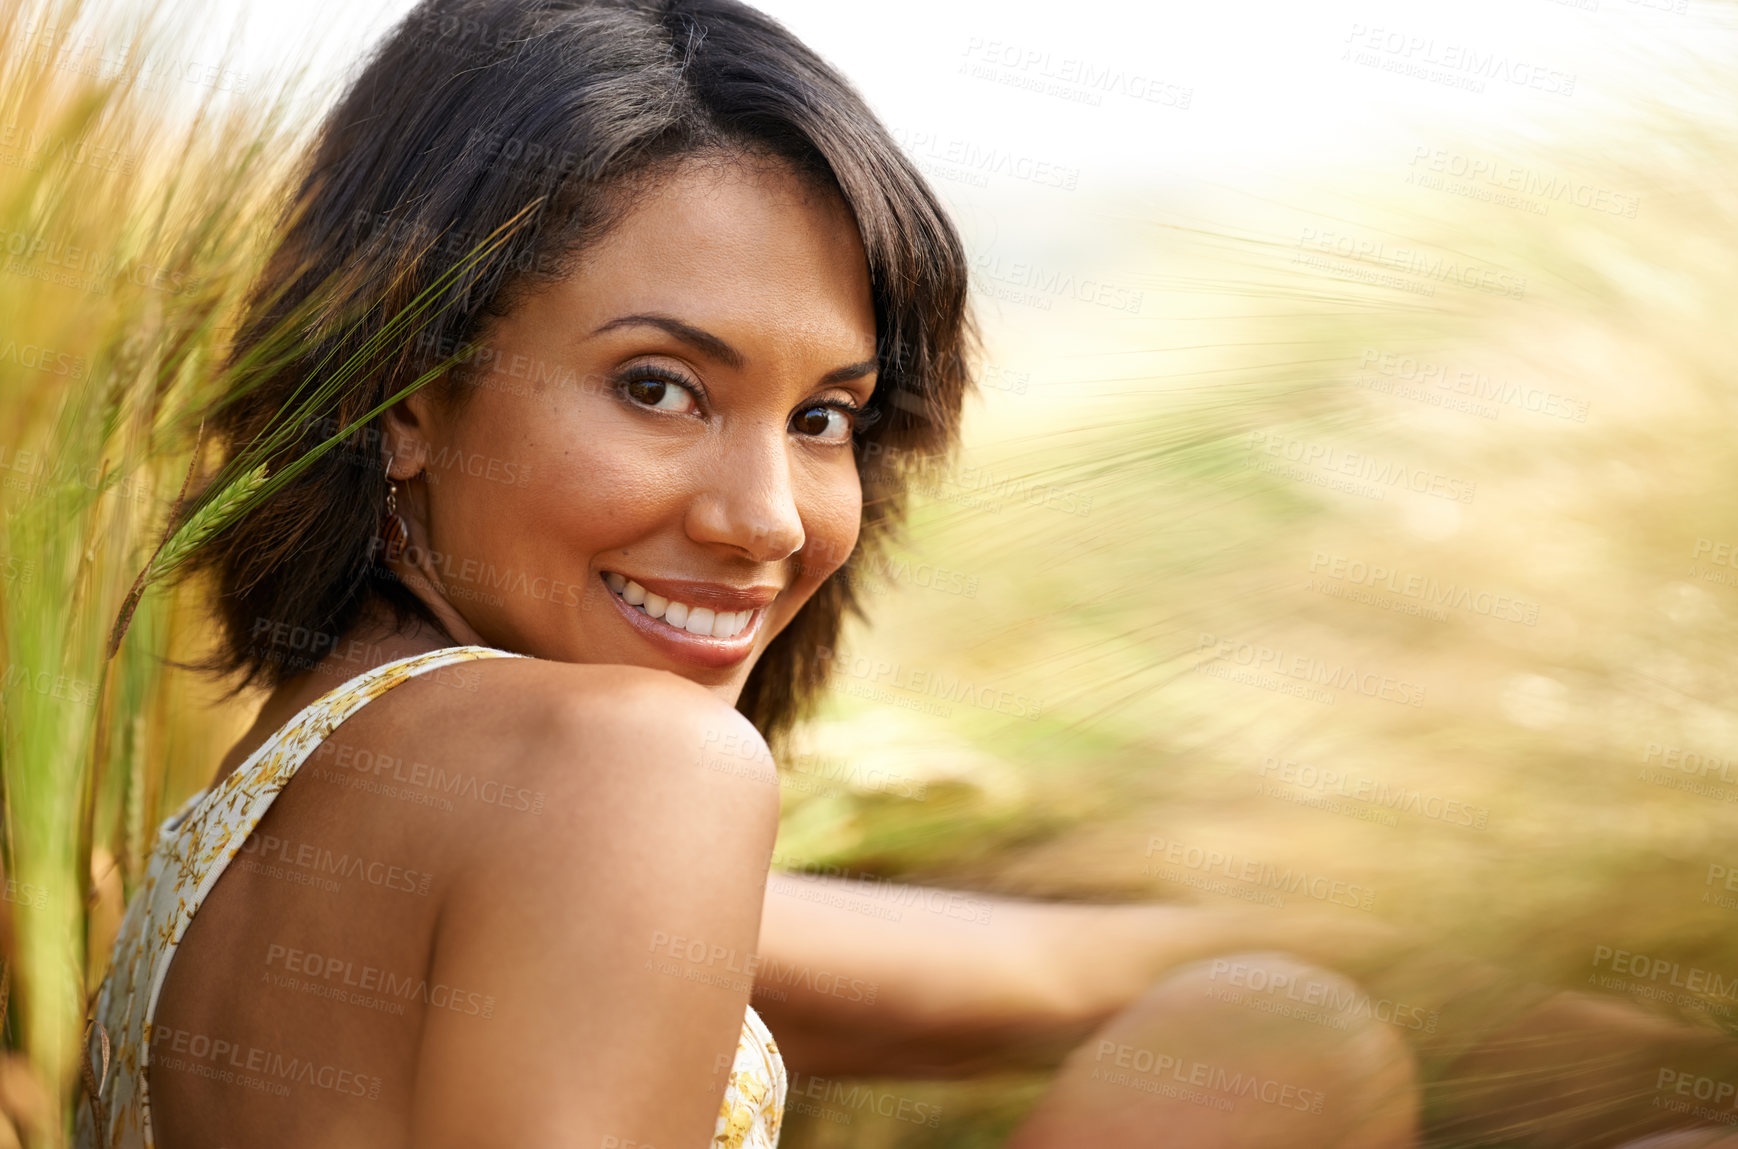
[(1376, 530)]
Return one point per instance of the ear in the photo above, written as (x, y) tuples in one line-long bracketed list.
[(408, 429)]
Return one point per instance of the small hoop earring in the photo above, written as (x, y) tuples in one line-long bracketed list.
[(393, 531)]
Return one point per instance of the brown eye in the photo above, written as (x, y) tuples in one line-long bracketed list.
[(828, 424), (648, 390)]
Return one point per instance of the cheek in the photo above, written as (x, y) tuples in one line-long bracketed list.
[(579, 484), (603, 489), (832, 517)]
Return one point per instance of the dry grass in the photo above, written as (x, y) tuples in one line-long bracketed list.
[(1551, 606), (132, 219)]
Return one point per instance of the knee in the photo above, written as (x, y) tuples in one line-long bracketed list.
[(1248, 1051), (1301, 1042), (1283, 998)]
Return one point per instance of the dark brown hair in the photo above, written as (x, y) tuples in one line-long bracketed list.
[(468, 112)]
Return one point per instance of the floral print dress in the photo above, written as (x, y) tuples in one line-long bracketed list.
[(196, 845)]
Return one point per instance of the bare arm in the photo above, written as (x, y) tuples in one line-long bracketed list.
[(859, 978), (583, 927)]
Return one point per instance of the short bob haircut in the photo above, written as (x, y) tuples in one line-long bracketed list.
[(468, 112)]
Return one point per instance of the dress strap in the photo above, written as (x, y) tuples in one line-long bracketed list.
[(194, 849), (207, 837), (270, 767)]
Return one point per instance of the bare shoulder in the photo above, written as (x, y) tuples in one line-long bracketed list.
[(595, 743), (503, 761), (640, 777), (613, 929)]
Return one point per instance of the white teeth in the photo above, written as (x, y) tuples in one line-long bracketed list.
[(697, 620)]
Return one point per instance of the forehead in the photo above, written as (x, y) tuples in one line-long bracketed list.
[(741, 244)]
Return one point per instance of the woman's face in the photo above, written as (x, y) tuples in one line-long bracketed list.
[(655, 465)]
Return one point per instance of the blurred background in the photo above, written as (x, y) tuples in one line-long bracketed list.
[(1350, 489)]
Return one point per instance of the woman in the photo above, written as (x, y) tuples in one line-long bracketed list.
[(491, 865)]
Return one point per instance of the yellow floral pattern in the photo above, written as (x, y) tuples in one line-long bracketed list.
[(195, 846)]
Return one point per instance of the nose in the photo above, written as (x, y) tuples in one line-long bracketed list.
[(749, 502)]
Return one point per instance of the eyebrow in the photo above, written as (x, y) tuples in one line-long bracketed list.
[(713, 347), (702, 341)]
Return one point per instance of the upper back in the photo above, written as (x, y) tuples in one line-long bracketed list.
[(338, 949)]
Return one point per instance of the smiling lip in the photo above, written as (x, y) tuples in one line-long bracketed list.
[(706, 651), (717, 596)]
